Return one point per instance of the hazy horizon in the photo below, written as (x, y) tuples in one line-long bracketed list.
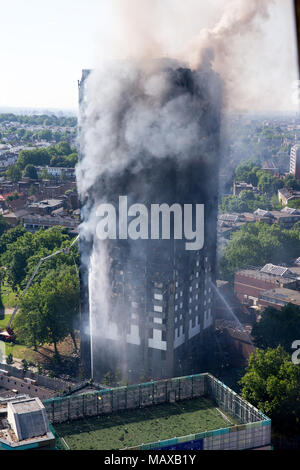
[(47, 44)]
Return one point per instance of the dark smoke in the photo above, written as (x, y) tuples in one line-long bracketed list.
[(149, 130), (156, 143)]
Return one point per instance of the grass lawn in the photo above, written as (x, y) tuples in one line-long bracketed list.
[(44, 353), (4, 321), (20, 352), (8, 297), (17, 350), (142, 426)]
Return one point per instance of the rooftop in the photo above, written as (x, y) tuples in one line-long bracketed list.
[(27, 418), (149, 424), (46, 203), (268, 276), (275, 270), (25, 406), (289, 193), (281, 296)]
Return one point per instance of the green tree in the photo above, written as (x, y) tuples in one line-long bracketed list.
[(258, 243), (63, 148), (268, 184), (30, 172), (15, 259), (13, 197), (295, 204), (23, 253), (10, 237), (14, 173), (49, 309), (31, 190), (247, 195), (276, 205), (25, 365), (291, 182), (9, 359), (3, 225), (272, 384), (63, 176), (45, 134), (57, 161), (277, 327), (29, 324), (246, 171), (39, 157)]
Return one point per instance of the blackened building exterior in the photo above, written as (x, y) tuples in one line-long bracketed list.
[(161, 295)]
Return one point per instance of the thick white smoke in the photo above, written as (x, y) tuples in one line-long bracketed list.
[(238, 18), (123, 116)]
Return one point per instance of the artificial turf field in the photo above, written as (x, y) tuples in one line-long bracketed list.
[(143, 425)]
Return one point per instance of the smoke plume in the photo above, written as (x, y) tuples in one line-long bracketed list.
[(141, 112)]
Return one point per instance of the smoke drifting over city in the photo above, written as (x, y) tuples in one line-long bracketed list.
[(146, 122)]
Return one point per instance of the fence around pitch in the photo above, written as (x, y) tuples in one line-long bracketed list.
[(240, 437), (107, 401)]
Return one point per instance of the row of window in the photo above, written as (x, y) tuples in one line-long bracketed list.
[(163, 334)]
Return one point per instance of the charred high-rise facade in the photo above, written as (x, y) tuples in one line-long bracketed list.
[(148, 302)]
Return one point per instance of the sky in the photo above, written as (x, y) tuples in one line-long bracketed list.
[(46, 43)]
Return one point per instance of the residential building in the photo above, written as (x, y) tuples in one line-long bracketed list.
[(295, 161), (242, 186), (249, 284), (286, 195), (278, 298), (46, 206), (161, 297), (57, 171)]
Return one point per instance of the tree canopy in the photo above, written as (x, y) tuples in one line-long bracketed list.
[(277, 327), (246, 171), (272, 384), (30, 172), (245, 202), (251, 173), (59, 155), (3, 225), (22, 253), (38, 119), (256, 244), (14, 173), (49, 309)]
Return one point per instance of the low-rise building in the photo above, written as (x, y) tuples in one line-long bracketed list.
[(249, 284), (15, 217), (285, 218), (45, 207), (269, 166), (278, 298), (57, 171), (24, 425), (33, 222), (242, 186), (286, 195)]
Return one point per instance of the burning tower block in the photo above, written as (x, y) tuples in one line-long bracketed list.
[(148, 306)]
